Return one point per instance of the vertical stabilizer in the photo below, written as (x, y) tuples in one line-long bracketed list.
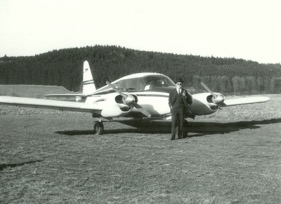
[(88, 82)]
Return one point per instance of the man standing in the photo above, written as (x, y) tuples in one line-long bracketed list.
[(179, 101)]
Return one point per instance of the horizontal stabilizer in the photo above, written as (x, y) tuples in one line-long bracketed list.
[(246, 100)]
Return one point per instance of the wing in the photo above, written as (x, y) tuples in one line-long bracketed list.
[(51, 104), (246, 100), (106, 110)]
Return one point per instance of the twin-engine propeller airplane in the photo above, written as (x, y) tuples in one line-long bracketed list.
[(136, 96)]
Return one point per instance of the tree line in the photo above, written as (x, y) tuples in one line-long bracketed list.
[(64, 68)]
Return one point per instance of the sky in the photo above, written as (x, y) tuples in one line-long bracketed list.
[(243, 29)]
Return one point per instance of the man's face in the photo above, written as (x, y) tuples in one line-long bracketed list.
[(179, 84)]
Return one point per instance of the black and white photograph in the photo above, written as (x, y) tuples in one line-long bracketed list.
[(140, 101)]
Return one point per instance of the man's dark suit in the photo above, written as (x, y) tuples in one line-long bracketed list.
[(179, 104)]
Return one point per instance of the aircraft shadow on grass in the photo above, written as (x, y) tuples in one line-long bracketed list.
[(199, 128), (14, 165)]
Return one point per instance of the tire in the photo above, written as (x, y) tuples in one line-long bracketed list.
[(98, 128)]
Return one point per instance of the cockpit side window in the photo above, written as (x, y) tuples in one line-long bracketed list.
[(130, 85), (157, 81)]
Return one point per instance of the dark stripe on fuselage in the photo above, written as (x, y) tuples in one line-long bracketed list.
[(142, 93), (153, 95), (88, 82), (104, 92)]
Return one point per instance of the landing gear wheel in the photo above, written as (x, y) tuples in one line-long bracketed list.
[(98, 128)]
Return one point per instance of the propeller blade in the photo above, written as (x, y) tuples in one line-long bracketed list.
[(207, 88), (115, 89), (142, 110)]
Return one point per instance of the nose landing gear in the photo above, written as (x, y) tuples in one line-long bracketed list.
[(98, 128)]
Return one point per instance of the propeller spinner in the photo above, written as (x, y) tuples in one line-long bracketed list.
[(130, 100)]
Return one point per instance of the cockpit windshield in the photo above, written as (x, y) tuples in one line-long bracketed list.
[(144, 83)]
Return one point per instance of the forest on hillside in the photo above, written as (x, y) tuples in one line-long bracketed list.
[(64, 68)]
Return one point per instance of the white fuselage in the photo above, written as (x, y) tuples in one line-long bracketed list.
[(156, 103)]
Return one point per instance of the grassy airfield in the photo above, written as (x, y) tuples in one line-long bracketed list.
[(233, 156)]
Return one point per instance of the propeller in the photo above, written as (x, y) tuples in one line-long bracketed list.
[(216, 97), (130, 100), (115, 89)]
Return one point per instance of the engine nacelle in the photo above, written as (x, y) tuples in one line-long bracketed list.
[(216, 98), (114, 111)]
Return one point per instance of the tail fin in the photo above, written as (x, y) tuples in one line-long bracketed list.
[(88, 82)]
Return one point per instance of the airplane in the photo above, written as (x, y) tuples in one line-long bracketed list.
[(139, 96)]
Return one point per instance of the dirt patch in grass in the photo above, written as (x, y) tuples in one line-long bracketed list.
[(52, 157)]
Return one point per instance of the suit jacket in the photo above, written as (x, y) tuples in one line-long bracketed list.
[(180, 100)]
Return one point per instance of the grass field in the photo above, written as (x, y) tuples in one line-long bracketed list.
[(233, 156)]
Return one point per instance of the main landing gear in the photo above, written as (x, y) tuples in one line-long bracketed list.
[(98, 128)]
